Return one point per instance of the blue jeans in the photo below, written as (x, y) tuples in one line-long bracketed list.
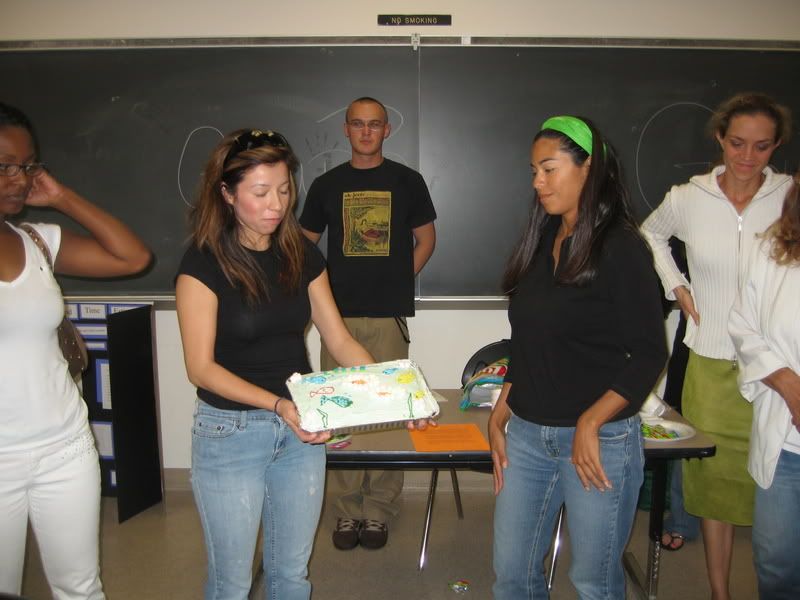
[(538, 479), (678, 520), (776, 532), (249, 466)]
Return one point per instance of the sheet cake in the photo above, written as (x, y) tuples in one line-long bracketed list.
[(363, 398)]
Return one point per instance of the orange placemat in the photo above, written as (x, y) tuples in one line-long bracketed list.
[(449, 438)]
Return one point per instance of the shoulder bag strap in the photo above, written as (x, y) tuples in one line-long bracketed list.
[(37, 239), (70, 341)]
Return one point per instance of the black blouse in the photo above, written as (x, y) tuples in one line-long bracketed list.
[(571, 344)]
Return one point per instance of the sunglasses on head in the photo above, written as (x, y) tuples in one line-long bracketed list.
[(255, 138)]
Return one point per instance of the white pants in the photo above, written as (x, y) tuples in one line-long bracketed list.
[(58, 489)]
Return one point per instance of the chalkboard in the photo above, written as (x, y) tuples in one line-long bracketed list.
[(482, 106), (131, 128)]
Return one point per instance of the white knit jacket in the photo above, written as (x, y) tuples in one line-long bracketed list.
[(718, 241)]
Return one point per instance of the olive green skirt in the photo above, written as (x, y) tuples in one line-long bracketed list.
[(719, 487)]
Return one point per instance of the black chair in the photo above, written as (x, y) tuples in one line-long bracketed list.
[(483, 358)]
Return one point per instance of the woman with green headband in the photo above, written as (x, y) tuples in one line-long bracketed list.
[(587, 345)]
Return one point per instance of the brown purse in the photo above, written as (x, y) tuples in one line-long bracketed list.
[(69, 339)]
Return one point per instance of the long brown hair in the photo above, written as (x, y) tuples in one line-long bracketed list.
[(785, 232), (214, 225)]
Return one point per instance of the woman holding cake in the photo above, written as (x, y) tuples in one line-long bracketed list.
[(587, 345), (245, 290)]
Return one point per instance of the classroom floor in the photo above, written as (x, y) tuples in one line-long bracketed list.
[(159, 554)]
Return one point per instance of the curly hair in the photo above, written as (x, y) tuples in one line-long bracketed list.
[(785, 232)]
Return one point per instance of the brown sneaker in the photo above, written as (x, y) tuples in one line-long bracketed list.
[(373, 534), (345, 536)]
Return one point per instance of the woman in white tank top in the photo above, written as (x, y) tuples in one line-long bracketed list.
[(49, 470)]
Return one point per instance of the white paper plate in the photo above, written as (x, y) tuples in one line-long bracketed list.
[(683, 430)]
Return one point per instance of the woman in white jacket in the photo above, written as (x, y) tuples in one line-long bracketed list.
[(765, 328), (717, 216)]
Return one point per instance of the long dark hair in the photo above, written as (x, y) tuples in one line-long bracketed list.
[(214, 224), (604, 202)]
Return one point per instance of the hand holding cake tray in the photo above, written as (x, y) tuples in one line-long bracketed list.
[(364, 398)]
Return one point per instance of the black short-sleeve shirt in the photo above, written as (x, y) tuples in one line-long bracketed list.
[(264, 344), (370, 215)]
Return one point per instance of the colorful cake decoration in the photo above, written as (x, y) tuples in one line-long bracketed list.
[(363, 397)]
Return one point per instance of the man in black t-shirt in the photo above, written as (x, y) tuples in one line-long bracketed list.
[(379, 218)]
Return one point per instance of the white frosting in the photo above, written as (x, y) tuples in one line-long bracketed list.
[(372, 394), (311, 421), (419, 405)]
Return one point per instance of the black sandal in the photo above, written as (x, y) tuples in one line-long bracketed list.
[(672, 537)]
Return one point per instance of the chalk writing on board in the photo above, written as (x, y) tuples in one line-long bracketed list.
[(192, 167), (688, 128), (396, 125), (183, 156), (321, 152), (317, 152)]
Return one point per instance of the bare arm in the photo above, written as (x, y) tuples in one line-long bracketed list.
[(197, 318), (325, 315), (501, 413), (311, 235), (586, 443), (424, 243), (113, 249), (686, 302), (344, 349)]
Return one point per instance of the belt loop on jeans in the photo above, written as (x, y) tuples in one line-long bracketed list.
[(243, 419)]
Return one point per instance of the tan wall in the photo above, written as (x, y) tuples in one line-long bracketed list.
[(103, 19)]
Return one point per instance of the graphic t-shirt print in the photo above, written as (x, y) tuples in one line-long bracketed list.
[(367, 217)]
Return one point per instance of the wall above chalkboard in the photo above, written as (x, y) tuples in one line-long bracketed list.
[(131, 128)]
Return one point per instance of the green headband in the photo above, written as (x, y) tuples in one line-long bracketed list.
[(573, 128)]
